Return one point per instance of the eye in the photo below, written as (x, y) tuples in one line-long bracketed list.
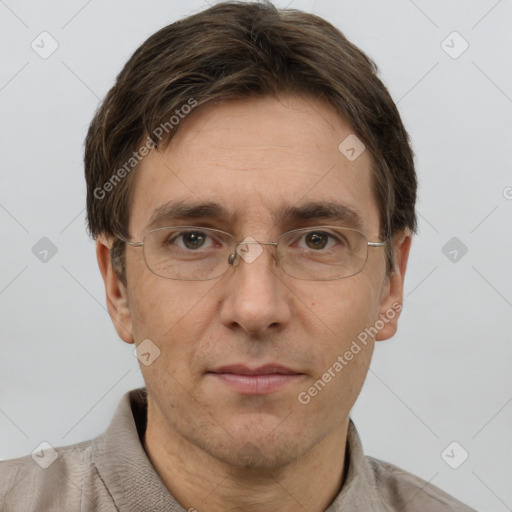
[(318, 240), (191, 240)]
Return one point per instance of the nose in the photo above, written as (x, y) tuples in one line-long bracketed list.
[(255, 299)]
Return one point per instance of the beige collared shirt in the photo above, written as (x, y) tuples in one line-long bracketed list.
[(112, 473)]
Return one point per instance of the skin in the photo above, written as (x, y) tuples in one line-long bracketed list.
[(214, 448)]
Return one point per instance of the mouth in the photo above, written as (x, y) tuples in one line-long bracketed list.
[(255, 381)]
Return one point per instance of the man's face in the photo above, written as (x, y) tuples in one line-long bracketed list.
[(253, 158)]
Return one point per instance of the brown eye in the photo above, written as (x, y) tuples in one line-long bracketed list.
[(317, 240), (193, 239)]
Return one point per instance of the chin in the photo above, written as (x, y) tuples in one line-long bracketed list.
[(254, 447), (255, 456)]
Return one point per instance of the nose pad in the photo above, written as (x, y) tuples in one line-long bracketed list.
[(246, 252)]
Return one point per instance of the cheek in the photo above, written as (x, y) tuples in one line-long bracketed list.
[(343, 308), (343, 355), (331, 396), (159, 306), (174, 316)]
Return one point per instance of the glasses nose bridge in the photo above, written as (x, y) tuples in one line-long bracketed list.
[(235, 256), (257, 242)]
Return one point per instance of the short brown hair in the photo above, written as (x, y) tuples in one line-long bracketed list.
[(238, 50)]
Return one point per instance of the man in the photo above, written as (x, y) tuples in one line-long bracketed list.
[(251, 189)]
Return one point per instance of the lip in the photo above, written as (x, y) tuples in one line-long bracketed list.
[(255, 381), (267, 369)]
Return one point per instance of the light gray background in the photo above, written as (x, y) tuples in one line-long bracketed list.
[(445, 377)]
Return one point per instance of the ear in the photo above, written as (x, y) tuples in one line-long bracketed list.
[(116, 292), (392, 294)]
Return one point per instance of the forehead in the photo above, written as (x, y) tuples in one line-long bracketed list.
[(256, 159)]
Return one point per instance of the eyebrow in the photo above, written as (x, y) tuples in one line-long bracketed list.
[(172, 211), (325, 211)]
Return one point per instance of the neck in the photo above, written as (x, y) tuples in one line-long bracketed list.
[(199, 481)]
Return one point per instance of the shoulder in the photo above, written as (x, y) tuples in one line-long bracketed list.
[(50, 479), (409, 493)]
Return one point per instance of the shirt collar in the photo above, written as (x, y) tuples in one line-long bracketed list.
[(123, 464), (358, 493)]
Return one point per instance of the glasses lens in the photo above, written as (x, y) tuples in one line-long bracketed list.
[(188, 253), (322, 253)]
